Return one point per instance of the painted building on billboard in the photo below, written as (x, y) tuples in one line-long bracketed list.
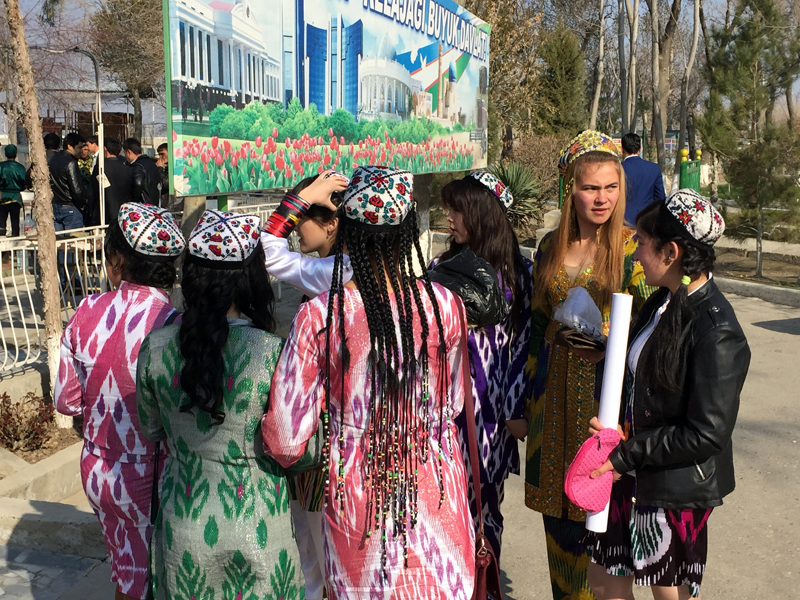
[(221, 56)]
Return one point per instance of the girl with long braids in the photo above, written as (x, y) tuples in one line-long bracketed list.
[(687, 362), (592, 249), (312, 209), (224, 529), (373, 370), (96, 379), (477, 206)]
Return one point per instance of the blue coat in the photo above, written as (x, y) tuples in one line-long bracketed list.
[(644, 184)]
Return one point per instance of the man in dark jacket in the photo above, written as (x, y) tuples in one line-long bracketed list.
[(68, 185), (52, 142), (12, 182), (119, 176), (145, 174), (644, 182)]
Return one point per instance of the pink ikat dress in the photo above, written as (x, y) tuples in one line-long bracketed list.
[(97, 379), (441, 546)]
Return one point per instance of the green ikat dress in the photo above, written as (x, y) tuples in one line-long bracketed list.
[(224, 529)]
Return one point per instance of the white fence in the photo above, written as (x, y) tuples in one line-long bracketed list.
[(80, 261)]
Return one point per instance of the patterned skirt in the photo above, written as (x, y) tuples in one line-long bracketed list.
[(654, 545)]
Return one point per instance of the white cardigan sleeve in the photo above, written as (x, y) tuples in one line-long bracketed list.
[(312, 276)]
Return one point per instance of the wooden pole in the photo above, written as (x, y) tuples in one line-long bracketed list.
[(42, 193)]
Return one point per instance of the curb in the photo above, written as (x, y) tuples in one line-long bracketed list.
[(769, 293)]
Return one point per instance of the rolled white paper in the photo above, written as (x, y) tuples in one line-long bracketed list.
[(613, 376)]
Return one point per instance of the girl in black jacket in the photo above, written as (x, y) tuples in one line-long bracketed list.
[(687, 362)]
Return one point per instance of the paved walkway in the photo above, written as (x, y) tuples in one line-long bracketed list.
[(34, 575)]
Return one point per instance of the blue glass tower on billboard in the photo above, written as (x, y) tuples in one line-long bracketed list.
[(352, 51), (299, 52), (317, 54)]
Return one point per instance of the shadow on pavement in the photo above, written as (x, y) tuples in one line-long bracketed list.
[(790, 326)]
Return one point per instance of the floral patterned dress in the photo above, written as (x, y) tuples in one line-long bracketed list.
[(440, 546), (96, 379), (224, 529)]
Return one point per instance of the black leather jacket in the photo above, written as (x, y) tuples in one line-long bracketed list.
[(145, 181), (681, 448), (66, 180)]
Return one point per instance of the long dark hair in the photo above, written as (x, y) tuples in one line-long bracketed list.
[(209, 294), (491, 237), (667, 339), (398, 434), (136, 267)]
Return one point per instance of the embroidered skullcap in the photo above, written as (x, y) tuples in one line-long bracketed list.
[(697, 219), (378, 196), (586, 141), (151, 231), (224, 240), (494, 185)]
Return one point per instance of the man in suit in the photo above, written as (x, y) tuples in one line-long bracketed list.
[(119, 177), (644, 182), (146, 178)]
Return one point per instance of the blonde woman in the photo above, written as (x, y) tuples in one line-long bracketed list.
[(592, 249)]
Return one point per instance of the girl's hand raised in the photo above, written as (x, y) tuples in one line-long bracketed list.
[(319, 192)]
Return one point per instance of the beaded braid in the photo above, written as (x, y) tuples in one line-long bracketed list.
[(397, 438)]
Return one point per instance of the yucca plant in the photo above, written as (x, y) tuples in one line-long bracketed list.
[(524, 186)]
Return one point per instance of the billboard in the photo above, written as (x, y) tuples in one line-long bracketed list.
[(266, 93)]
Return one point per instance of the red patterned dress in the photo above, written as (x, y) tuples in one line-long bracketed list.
[(97, 379), (441, 546)]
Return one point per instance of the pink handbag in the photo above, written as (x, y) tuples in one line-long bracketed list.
[(591, 495)]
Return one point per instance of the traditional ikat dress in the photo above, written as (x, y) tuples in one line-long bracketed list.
[(96, 379), (441, 545), (224, 529)]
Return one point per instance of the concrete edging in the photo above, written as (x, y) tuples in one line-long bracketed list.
[(54, 478), (769, 293)]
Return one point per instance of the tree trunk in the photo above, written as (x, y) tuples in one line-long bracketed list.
[(42, 193), (790, 105), (687, 73), (508, 144), (657, 128), (759, 238), (714, 183), (623, 69), (633, 88), (665, 60), (600, 67), (137, 114)]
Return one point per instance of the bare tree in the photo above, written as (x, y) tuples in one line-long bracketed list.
[(658, 128), (623, 69), (633, 91), (600, 65), (41, 189), (687, 73)]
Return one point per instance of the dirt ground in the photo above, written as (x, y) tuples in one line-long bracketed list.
[(731, 264), (60, 439)]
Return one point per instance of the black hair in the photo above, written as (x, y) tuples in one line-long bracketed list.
[(92, 139), (208, 294), (491, 237), (321, 214), (161, 147), (382, 260), (667, 339), (631, 143), (133, 145), (137, 268), (112, 145), (52, 141), (73, 139)]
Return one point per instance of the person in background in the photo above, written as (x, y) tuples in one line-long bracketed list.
[(119, 177), (52, 142), (12, 182), (87, 159), (70, 194), (224, 529), (687, 363), (96, 379), (92, 143), (591, 249), (643, 180), (317, 224), (373, 372), (144, 173), (477, 206)]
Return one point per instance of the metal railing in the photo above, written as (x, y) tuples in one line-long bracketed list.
[(81, 270)]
